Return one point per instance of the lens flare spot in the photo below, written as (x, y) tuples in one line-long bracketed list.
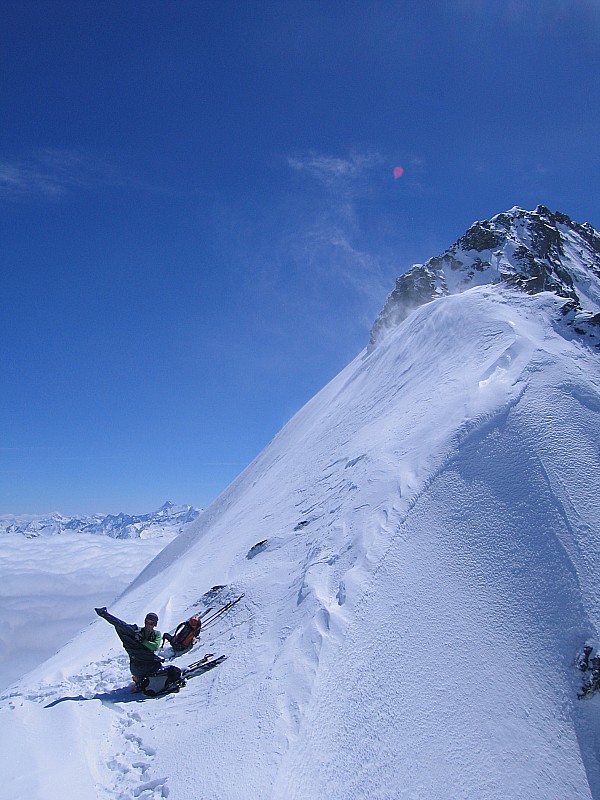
[(398, 172)]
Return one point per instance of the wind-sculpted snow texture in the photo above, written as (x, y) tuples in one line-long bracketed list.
[(428, 567)]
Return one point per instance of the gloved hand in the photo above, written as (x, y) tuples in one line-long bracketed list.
[(101, 611)]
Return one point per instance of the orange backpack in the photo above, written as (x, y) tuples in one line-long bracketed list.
[(185, 633)]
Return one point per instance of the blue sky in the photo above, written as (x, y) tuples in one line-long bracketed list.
[(199, 220)]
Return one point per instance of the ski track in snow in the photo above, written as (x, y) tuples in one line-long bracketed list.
[(460, 526)]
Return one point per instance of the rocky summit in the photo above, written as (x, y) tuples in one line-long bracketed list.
[(533, 251)]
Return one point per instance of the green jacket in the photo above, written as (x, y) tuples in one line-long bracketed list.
[(153, 640)]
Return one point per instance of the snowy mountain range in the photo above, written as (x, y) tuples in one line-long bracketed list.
[(169, 518), (419, 553)]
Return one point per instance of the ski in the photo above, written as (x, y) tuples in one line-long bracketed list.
[(201, 666), (219, 612), (178, 680)]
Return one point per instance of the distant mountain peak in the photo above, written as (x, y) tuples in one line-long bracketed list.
[(534, 251)]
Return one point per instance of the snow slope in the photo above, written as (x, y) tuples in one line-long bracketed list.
[(409, 626)]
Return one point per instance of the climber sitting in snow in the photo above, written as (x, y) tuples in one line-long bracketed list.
[(140, 643)]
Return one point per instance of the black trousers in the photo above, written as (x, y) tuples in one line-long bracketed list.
[(142, 662)]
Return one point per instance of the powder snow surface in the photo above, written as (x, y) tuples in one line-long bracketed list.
[(409, 626)]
